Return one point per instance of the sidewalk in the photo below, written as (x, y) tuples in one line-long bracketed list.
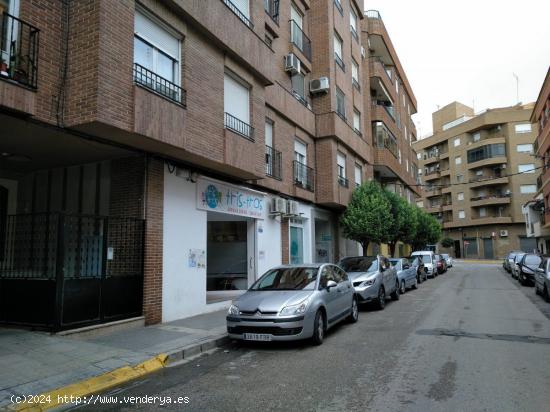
[(33, 363)]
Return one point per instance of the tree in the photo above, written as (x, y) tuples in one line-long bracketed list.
[(447, 242), (403, 227), (428, 230), (367, 218)]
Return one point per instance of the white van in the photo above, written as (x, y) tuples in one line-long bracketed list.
[(428, 258)]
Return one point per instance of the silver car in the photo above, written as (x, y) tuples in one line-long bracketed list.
[(373, 277), (293, 302), (448, 259), (542, 279), (428, 258), (406, 273), (515, 264)]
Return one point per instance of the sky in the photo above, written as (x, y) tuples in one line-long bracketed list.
[(468, 51)]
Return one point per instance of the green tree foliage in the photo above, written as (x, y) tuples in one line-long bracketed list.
[(447, 242), (428, 230), (368, 216), (404, 223)]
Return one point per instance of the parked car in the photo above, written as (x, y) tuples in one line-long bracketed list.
[(542, 279), (293, 302), (448, 260), (509, 260), (440, 264), (373, 278), (406, 273), (421, 274), (527, 267), (515, 263), (428, 259)]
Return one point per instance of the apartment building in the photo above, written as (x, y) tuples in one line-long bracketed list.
[(477, 171), (537, 210), (157, 157)]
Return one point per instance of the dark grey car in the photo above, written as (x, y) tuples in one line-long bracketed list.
[(542, 279), (293, 302)]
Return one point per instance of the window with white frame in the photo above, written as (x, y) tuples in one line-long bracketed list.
[(482, 212), (358, 175), (355, 73), (356, 120), (300, 169), (527, 189), (341, 164), (525, 148), (458, 160), (459, 178), (457, 142), (526, 168), (420, 203), (419, 156), (340, 103), (523, 128), (461, 214), (407, 164), (338, 45), (460, 196), (236, 103), (298, 84), (476, 137), (400, 160), (353, 22), (242, 6), (397, 84), (156, 56)]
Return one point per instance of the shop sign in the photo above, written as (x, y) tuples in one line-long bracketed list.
[(223, 198)]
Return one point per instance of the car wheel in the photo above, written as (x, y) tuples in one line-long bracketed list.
[(415, 286), (381, 301), (354, 315), (545, 294), (537, 291), (403, 288), (521, 279), (395, 294), (419, 278), (318, 328)]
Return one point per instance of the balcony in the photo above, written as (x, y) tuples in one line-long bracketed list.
[(491, 220), (432, 191), (159, 85), (303, 176), (343, 181), (237, 11), (272, 9), (239, 127), (480, 181), (19, 43), (445, 172), (273, 162), (300, 40), (494, 199), (432, 175)]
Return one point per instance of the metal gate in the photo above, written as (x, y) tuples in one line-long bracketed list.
[(60, 271), (488, 252)]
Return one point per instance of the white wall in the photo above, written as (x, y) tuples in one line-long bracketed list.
[(268, 241)]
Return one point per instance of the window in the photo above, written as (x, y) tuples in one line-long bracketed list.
[(407, 164), (236, 105), (523, 128), (527, 189), (526, 168), (338, 5), (460, 196), (476, 137), (358, 175), (459, 178), (458, 160), (355, 74), (404, 100), (300, 152), (405, 131), (457, 142), (268, 40), (461, 214), (353, 23), (338, 51), (357, 121), (298, 84), (341, 162), (340, 104), (525, 148), (297, 16), (482, 212), (486, 152), (419, 156), (400, 160), (397, 84), (420, 203), (269, 132)]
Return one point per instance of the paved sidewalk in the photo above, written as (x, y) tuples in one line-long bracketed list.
[(32, 363)]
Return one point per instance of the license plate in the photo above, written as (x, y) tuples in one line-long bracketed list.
[(257, 336)]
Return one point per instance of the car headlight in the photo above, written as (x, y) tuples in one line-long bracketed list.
[(233, 310), (369, 282), (297, 309)]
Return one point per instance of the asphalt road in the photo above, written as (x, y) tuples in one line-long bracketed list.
[(469, 340)]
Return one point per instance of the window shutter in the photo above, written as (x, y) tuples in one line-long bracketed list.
[(236, 101), (156, 35)]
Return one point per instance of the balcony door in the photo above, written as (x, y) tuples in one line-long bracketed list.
[(300, 155), (296, 34)]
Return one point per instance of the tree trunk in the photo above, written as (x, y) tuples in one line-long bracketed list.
[(391, 246), (365, 246)]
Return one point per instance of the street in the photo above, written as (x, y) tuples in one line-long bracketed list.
[(472, 339)]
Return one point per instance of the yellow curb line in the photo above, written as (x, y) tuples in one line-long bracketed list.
[(486, 262), (94, 385)]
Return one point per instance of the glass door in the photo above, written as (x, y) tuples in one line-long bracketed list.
[(296, 245)]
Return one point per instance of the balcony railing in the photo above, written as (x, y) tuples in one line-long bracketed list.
[(238, 126), (272, 9), (539, 183), (159, 85), (303, 176), (19, 42), (339, 6), (273, 162), (343, 181), (238, 13), (491, 196), (373, 14), (300, 40), (339, 61)]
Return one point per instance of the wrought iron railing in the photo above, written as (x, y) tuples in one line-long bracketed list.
[(303, 176), (339, 6), (373, 14), (238, 12), (272, 9), (238, 126), (356, 84), (300, 40), (273, 162), (339, 61), (343, 181), (19, 43), (165, 88)]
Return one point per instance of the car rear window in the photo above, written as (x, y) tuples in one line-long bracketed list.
[(532, 260), (426, 259)]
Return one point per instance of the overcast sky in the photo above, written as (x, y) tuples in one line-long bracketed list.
[(468, 50)]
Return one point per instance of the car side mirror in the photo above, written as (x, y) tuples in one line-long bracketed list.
[(331, 284), (540, 270)]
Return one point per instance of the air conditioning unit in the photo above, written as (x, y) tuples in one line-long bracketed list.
[(292, 63), (503, 233), (278, 205), (363, 51), (292, 208), (319, 85)]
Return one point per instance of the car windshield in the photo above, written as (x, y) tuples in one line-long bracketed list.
[(518, 257), (359, 264), (445, 256), (426, 259), (532, 260), (294, 278), (395, 262)]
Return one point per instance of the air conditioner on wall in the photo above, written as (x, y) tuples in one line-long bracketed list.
[(320, 85), (292, 63), (292, 208), (278, 205), (503, 233)]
